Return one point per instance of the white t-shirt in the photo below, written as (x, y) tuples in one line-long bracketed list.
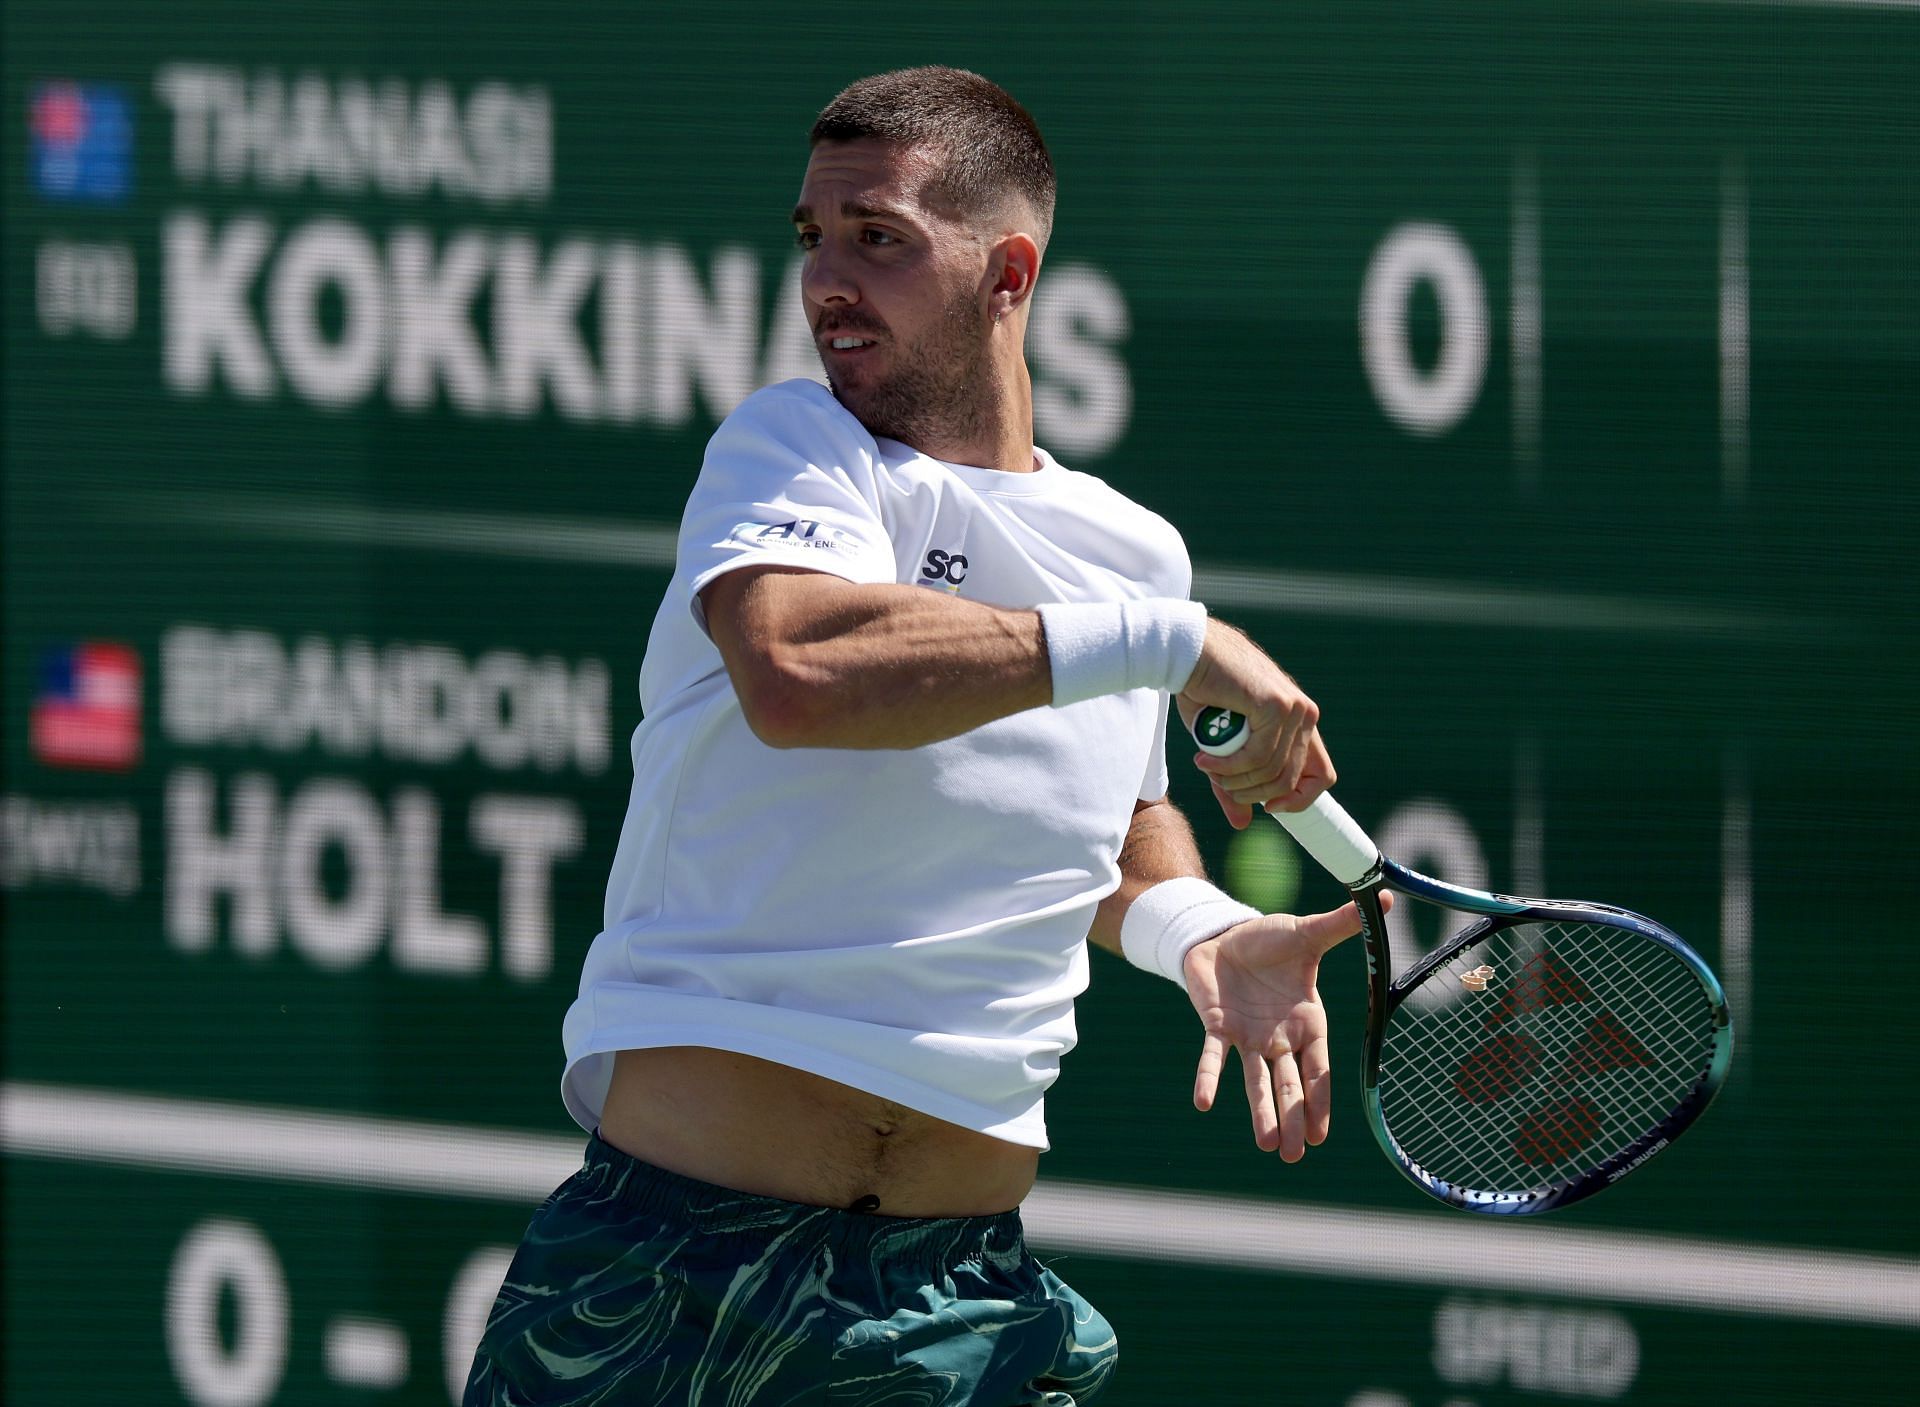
[(909, 922)]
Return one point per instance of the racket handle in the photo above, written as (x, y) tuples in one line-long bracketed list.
[(1326, 832), (1219, 731)]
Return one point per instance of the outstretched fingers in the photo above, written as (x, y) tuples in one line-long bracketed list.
[(1290, 1103), (1206, 1078), (1276, 1095), (1316, 1080), (1266, 1124)]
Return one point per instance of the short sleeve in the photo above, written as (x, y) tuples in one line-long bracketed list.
[(1176, 580), (1154, 783), (788, 480)]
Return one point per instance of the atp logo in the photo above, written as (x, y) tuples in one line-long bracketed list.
[(944, 569)]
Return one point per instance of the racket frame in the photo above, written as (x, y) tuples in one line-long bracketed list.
[(1494, 912), (1337, 842)]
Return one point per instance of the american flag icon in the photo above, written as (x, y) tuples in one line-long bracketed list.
[(87, 712)]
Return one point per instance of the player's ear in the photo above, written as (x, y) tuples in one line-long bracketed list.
[(1014, 266)]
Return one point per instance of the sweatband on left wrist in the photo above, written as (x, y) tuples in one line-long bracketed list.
[(1170, 919)]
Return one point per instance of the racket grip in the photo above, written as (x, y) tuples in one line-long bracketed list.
[(1326, 832)]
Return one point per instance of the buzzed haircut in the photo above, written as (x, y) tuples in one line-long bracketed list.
[(987, 146)]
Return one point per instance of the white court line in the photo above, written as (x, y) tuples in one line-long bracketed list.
[(641, 544), (1424, 600), (1530, 1258), (297, 1145), (1440, 1248), (546, 538)]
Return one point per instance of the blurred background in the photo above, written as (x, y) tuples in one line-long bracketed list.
[(1537, 383)]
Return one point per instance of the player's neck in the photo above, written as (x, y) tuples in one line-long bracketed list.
[(1001, 436)]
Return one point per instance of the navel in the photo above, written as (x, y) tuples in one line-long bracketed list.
[(887, 1120)]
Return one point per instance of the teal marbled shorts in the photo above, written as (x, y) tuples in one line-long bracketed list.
[(635, 1287)]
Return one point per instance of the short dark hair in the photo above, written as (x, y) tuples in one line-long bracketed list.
[(988, 146)]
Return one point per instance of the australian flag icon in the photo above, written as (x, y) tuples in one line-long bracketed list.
[(82, 135)]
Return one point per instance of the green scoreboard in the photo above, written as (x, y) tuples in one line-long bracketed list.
[(1536, 382)]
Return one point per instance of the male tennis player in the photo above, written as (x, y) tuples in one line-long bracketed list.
[(906, 702)]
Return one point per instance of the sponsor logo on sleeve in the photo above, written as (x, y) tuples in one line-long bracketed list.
[(801, 533)]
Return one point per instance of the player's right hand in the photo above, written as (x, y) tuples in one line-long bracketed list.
[(1284, 764)]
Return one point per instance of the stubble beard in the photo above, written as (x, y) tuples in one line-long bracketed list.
[(940, 391)]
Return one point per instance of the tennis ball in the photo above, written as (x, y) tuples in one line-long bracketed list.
[(1263, 869)]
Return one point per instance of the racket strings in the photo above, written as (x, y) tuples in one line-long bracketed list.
[(1537, 1132), (1541, 1051), (1521, 1144), (1539, 1140)]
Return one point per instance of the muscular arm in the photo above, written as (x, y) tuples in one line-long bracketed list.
[(1159, 845), (819, 661), (822, 662)]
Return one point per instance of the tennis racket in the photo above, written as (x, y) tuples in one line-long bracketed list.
[(1536, 1056)]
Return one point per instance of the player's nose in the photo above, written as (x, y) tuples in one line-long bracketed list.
[(825, 278)]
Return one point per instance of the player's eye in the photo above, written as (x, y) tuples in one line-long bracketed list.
[(810, 239)]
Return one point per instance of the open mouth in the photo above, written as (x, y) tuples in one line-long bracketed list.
[(849, 346)]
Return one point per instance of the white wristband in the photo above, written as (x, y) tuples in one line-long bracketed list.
[(1109, 647), (1172, 918)]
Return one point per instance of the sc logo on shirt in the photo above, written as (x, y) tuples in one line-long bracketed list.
[(948, 569)]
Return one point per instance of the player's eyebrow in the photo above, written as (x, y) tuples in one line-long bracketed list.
[(852, 210)]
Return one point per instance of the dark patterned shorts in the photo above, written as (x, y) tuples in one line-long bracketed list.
[(635, 1287)]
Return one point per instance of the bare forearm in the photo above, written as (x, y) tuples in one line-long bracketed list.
[(839, 665), (1159, 846)]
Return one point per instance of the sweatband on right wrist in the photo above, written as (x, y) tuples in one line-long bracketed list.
[(1097, 648), (1168, 920)]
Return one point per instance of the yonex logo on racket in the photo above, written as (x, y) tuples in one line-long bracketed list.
[(1513, 1061), (1219, 731)]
